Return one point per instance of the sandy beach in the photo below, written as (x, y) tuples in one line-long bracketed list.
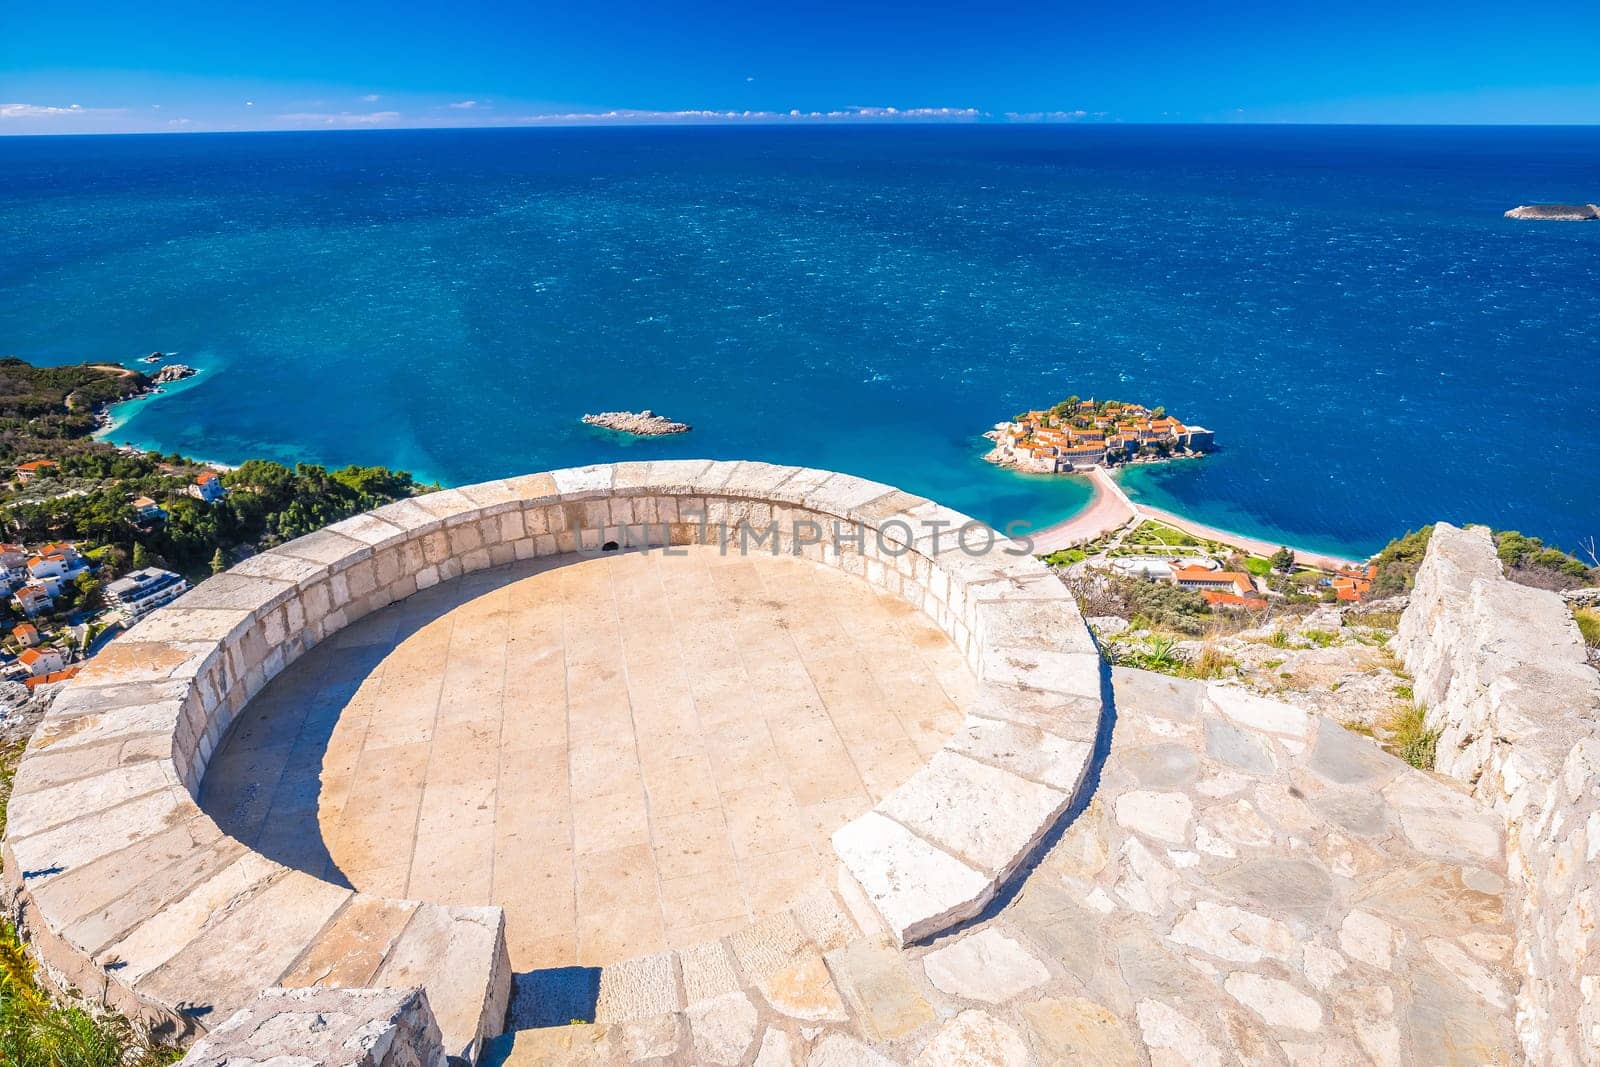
[(1110, 508)]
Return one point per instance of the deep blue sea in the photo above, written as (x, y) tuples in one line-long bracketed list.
[(1375, 346)]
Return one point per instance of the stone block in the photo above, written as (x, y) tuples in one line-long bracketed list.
[(915, 888), (638, 988), (986, 815), (370, 530), (326, 1027), (1259, 713), (575, 483), (459, 955), (52, 853), (349, 951), (1025, 751), (1051, 624), (1075, 674), (241, 949)]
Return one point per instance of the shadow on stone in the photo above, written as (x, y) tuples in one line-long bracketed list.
[(554, 996)]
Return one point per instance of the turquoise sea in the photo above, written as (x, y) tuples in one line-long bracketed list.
[(1375, 346)]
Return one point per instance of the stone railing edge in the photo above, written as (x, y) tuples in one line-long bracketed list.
[(108, 783)]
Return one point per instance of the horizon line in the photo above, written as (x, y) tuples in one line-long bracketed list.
[(784, 123)]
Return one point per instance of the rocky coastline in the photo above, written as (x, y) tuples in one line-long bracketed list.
[(1556, 212), (638, 423), (172, 372)]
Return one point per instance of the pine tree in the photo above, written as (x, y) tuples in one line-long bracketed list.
[(218, 564), (141, 556)]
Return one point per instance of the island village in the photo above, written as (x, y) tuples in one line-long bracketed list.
[(1078, 435)]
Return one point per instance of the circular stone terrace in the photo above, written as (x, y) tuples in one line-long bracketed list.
[(573, 718), (627, 752)]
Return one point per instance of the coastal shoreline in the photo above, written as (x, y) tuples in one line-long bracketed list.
[(1110, 509)]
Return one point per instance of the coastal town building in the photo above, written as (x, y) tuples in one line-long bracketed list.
[(1352, 584), (34, 600), (140, 592), (1202, 579), (208, 487), (54, 564), (26, 635), (147, 511), (1218, 599), (1081, 435), (26, 472), (13, 565), (41, 661)]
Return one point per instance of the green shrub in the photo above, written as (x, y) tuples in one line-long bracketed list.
[(1320, 638)]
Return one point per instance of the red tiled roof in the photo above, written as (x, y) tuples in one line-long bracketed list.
[(1214, 596), (51, 679)]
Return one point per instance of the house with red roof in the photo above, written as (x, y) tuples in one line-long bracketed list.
[(1200, 578), (40, 661), (26, 472), (208, 487)]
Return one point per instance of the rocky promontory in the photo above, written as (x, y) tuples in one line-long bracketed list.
[(1556, 212), (639, 423), (173, 372)]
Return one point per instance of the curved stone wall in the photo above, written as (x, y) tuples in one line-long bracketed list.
[(1502, 672), (130, 893)]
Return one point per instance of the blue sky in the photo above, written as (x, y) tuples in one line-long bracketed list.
[(293, 65)]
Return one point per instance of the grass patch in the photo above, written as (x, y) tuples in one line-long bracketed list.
[(1355, 726), (1212, 662), (1404, 692), (1379, 620), (1588, 625), (1320, 638), (1410, 738), (1065, 556), (1156, 533), (1258, 566), (1271, 664), (1278, 639)]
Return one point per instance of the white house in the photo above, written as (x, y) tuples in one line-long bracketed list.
[(41, 661), (34, 600), (138, 593), (54, 564), (208, 487)]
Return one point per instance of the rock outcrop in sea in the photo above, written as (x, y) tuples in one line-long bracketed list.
[(639, 423), (173, 372), (1556, 212)]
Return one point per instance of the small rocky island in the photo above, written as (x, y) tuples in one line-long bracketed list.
[(173, 372), (1079, 435), (639, 423), (1556, 212)]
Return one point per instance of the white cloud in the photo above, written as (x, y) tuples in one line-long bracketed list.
[(249, 103), (342, 118), (371, 98), (45, 111), (1048, 116), (463, 105), (853, 114)]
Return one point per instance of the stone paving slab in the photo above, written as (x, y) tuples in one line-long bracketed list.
[(1205, 908)]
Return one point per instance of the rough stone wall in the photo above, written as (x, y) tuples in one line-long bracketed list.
[(1501, 670), (327, 1027)]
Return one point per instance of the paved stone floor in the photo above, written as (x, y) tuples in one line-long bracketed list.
[(1249, 884), (628, 752)]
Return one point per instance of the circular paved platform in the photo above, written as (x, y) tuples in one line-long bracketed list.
[(627, 752)]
